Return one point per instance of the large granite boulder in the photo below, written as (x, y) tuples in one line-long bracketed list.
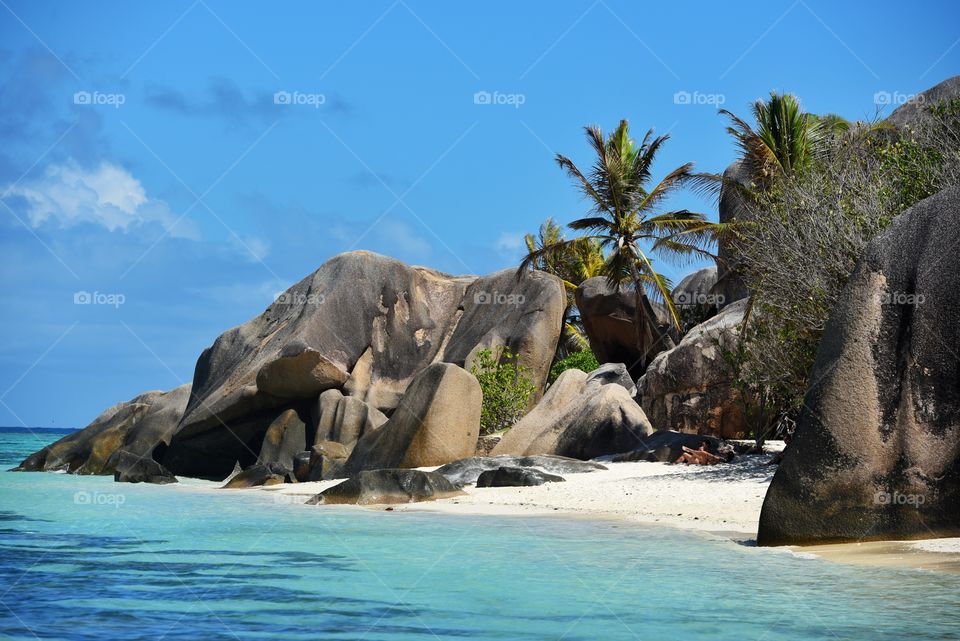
[(689, 388), (345, 419), (363, 322), (609, 316), (695, 297), (134, 428), (579, 422), (516, 477), (734, 206), (131, 468), (258, 475), (466, 471), (915, 110), (610, 373), (379, 487), (876, 453), (438, 421), (285, 438)]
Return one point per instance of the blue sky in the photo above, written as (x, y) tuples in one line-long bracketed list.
[(145, 158)]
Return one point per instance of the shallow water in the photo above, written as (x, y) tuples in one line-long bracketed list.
[(86, 558)]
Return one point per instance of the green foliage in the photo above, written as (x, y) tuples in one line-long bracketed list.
[(583, 360), (575, 263), (784, 140), (626, 220), (506, 389), (808, 230)]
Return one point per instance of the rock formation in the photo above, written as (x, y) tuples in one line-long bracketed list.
[(578, 421), (363, 322), (134, 427), (516, 477), (733, 206), (689, 388), (876, 453), (438, 421), (609, 317), (378, 487), (467, 471)]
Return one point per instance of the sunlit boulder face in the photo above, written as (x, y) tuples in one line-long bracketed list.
[(117, 439), (912, 112), (876, 453), (364, 323)]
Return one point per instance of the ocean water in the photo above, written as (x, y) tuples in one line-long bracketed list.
[(86, 558)]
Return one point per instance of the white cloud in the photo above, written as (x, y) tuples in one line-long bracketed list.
[(107, 195), (252, 248), (510, 244)]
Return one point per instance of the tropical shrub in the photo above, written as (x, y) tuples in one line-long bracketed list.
[(808, 231), (506, 389), (583, 360)]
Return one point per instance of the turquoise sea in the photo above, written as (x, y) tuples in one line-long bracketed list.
[(86, 558)]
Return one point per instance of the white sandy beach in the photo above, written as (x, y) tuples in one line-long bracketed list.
[(723, 500)]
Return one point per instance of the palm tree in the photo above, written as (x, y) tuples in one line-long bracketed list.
[(786, 138), (575, 264), (622, 219)]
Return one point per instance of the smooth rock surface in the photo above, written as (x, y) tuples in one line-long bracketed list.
[(689, 389), (876, 452), (135, 427), (610, 373), (138, 469), (257, 475), (733, 206), (912, 112), (467, 471), (438, 421), (577, 422), (378, 487), (516, 477), (365, 322), (345, 419), (285, 438)]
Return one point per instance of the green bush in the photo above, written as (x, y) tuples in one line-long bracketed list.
[(582, 360), (806, 233), (506, 389)]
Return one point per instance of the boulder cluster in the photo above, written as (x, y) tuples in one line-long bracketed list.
[(361, 371), (364, 366)]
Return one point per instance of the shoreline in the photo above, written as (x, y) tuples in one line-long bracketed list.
[(722, 501)]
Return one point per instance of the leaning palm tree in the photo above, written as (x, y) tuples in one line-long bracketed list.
[(623, 219), (576, 263), (786, 138)]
